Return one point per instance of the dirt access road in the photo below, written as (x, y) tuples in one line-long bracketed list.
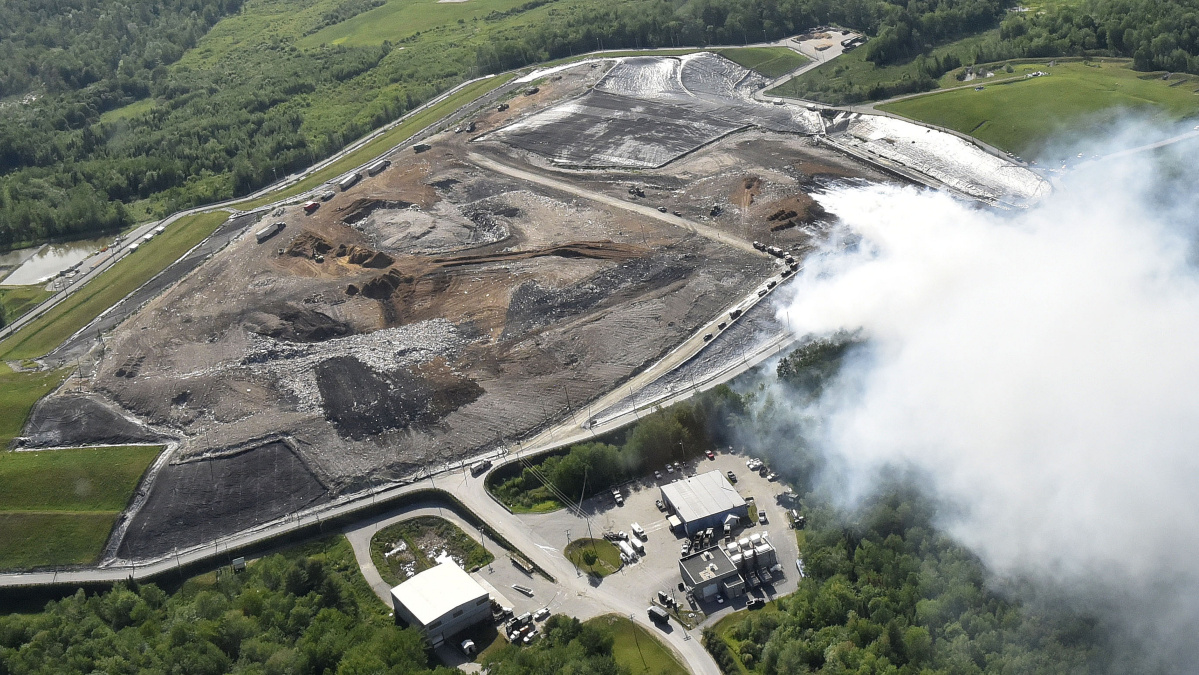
[(640, 209)]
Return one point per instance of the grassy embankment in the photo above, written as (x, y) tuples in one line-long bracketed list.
[(49, 330), (607, 556), (769, 61), (16, 300), (1023, 115), (420, 536), (57, 507), (636, 648)]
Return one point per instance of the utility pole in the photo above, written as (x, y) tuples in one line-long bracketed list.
[(638, 641)]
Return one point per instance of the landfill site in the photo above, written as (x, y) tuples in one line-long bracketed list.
[(484, 284)]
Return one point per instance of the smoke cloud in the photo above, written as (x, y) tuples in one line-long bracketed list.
[(1040, 367)]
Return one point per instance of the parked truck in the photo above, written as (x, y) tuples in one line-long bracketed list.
[(269, 231), (378, 167), (348, 181)]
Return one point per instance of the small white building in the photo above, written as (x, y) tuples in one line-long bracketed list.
[(441, 602)]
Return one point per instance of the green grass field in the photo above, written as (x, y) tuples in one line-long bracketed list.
[(18, 393), (769, 61), (30, 540), (49, 330), (57, 507), (638, 649), (608, 560), (16, 300), (1023, 115)]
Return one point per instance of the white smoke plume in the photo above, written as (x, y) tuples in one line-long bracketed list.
[(1041, 367)]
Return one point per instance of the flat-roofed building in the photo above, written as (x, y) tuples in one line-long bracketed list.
[(709, 572), (704, 501), (441, 602)]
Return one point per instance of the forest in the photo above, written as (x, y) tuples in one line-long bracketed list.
[(76, 158), (304, 611)]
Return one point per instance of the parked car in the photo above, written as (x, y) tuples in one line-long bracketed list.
[(669, 468), (762, 517), (711, 455), (657, 475), (678, 466), (686, 547), (732, 477), (660, 505)]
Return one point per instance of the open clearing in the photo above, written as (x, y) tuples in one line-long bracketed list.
[(638, 649), (57, 507), (409, 547), (1074, 101)]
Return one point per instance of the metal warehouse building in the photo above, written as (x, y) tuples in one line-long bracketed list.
[(441, 602), (704, 501)]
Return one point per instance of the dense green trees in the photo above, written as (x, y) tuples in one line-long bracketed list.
[(566, 646), (231, 120), (308, 611), (886, 592), (679, 432)]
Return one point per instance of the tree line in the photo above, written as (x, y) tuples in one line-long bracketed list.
[(228, 122), (681, 432)]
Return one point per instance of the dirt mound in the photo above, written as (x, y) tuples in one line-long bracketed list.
[(80, 420), (362, 402), (297, 324), (598, 250), (198, 501), (359, 209), (308, 245), (382, 286), (365, 257), (798, 210)]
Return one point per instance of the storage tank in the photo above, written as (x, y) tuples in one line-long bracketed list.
[(626, 549)]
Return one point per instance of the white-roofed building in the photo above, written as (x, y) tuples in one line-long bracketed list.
[(441, 602), (704, 501)]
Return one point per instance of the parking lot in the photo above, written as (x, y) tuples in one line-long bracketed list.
[(658, 569)]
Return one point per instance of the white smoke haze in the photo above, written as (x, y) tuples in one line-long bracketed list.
[(1040, 367)]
